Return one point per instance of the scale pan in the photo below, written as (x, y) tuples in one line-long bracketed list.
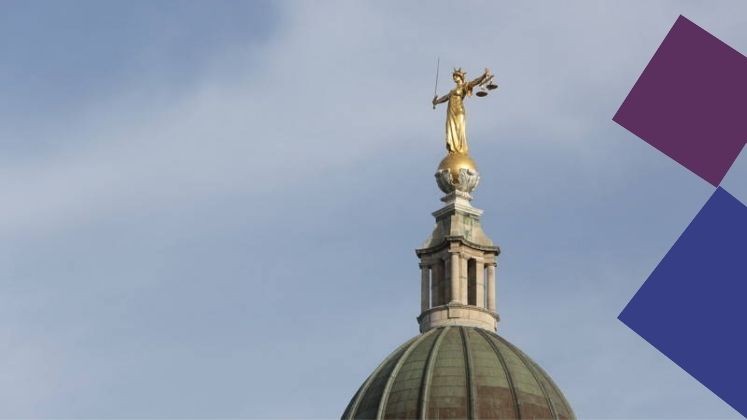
[(491, 86), (481, 93)]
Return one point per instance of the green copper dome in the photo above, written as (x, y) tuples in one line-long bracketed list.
[(458, 372)]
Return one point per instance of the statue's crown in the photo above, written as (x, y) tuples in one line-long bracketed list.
[(459, 72)]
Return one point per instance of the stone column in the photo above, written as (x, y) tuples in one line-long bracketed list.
[(491, 287), (425, 287), (480, 284), (456, 265), (463, 281), (436, 284)]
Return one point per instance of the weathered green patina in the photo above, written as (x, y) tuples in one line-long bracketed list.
[(455, 373)]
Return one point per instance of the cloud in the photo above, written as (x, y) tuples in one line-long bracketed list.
[(219, 243), (338, 82)]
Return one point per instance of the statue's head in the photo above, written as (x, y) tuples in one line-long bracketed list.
[(458, 75)]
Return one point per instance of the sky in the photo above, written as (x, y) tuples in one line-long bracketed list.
[(210, 209)]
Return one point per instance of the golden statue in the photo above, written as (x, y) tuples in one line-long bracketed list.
[(456, 133)]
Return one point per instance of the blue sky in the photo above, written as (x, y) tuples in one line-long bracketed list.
[(210, 208)]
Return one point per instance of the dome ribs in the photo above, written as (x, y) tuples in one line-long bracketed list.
[(498, 353), (471, 383), (395, 371), (532, 370), (360, 395), (562, 403), (458, 372), (426, 386), (448, 390)]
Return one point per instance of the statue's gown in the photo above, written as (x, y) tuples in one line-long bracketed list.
[(456, 136)]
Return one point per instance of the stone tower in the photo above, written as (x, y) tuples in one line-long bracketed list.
[(458, 367), (458, 260)]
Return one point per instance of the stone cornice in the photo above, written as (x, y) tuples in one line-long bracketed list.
[(449, 239)]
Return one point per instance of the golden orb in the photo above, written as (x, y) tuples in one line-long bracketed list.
[(455, 161)]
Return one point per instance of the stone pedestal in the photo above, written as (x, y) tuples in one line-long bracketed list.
[(462, 259), (458, 314)]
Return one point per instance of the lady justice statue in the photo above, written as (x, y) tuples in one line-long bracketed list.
[(458, 171), (456, 133)]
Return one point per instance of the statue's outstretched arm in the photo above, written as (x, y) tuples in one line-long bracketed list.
[(437, 100), (485, 76)]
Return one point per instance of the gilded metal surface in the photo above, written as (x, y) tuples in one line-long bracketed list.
[(456, 130), (453, 162)]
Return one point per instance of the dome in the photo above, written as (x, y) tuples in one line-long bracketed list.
[(458, 372)]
